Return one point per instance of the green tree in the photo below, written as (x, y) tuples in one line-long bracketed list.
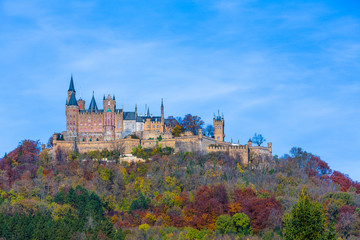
[(225, 225), (141, 202), (242, 223), (307, 220)]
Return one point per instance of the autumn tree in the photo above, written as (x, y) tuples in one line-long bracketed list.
[(177, 130), (192, 123)]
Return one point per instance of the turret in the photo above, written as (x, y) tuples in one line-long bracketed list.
[(109, 118), (72, 113), (250, 142), (219, 125), (81, 104)]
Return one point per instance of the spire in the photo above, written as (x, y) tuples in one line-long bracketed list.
[(71, 87), (148, 112), (135, 107), (114, 97), (162, 110), (104, 97), (93, 106), (72, 101)]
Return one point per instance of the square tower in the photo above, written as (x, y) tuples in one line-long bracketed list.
[(219, 125)]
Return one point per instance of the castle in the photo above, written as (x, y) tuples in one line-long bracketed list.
[(110, 123), (91, 128)]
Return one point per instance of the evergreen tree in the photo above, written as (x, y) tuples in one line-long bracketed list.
[(307, 221)]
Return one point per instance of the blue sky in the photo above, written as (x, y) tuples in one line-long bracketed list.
[(289, 70)]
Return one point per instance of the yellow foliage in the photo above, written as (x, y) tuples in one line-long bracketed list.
[(114, 219), (151, 218), (240, 168), (144, 227), (60, 211), (142, 185), (234, 208)]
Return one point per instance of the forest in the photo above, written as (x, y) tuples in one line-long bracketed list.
[(188, 195)]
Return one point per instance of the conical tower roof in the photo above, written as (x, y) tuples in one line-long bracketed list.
[(93, 106), (72, 101), (71, 87)]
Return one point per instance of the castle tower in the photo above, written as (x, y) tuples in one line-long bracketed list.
[(219, 125), (72, 113), (81, 104), (109, 118)]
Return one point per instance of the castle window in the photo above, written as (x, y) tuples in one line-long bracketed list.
[(83, 139), (153, 126), (90, 139), (157, 126), (97, 139)]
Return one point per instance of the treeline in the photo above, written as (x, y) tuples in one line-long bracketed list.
[(173, 196)]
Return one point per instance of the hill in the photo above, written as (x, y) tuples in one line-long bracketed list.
[(169, 196)]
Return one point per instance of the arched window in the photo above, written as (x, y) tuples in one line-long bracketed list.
[(83, 139), (90, 139), (97, 139)]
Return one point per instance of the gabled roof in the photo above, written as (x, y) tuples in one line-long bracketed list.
[(72, 101), (71, 87), (93, 107)]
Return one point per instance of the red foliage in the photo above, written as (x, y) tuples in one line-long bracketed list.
[(258, 210), (209, 203), (21, 159), (318, 168), (344, 181)]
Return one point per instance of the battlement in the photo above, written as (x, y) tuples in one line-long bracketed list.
[(227, 148)]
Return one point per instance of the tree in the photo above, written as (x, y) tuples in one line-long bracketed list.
[(258, 139), (242, 223), (209, 130), (307, 221), (225, 225), (192, 123), (177, 131)]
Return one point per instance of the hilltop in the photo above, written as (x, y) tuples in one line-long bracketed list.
[(184, 195)]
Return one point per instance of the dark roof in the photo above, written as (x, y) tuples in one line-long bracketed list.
[(71, 87), (140, 119), (72, 101), (93, 107), (85, 111), (156, 119), (129, 115)]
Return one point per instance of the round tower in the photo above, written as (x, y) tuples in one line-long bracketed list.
[(72, 114)]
